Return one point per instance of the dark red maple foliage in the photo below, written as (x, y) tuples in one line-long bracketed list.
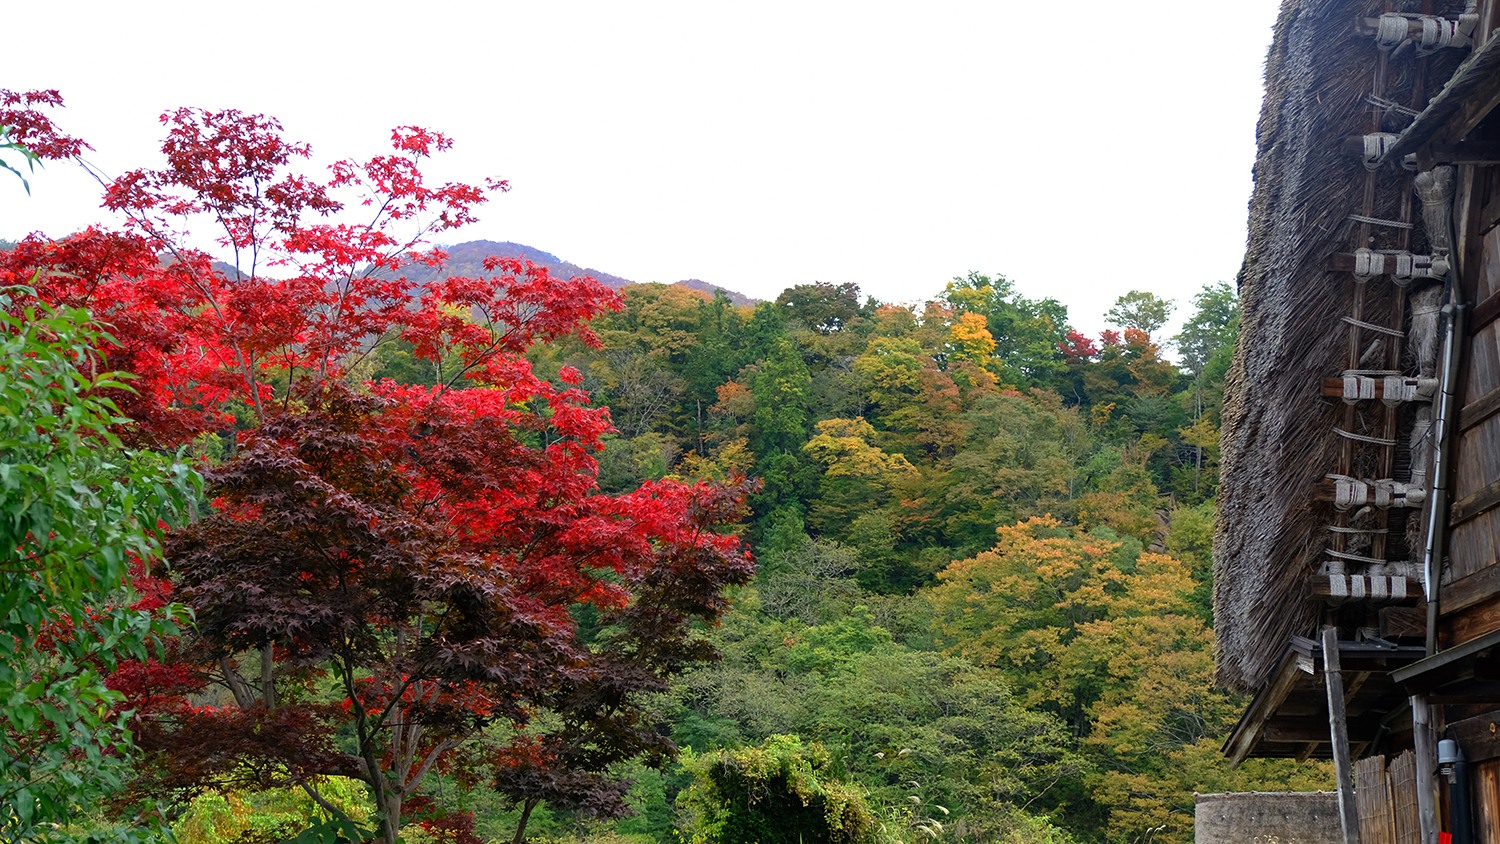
[(414, 546), (422, 549)]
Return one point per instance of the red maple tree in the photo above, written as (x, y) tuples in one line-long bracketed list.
[(422, 550)]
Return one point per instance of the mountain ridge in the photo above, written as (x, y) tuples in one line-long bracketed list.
[(467, 258)]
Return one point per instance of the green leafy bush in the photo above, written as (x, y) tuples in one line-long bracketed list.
[(783, 792), (75, 508)]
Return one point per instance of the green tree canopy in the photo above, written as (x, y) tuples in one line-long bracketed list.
[(1213, 325), (1139, 309), (76, 510)]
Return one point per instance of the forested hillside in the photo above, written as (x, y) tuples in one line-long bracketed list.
[(983, 542), (392, 544)]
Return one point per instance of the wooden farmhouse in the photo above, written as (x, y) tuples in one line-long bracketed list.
[(1357, 590)]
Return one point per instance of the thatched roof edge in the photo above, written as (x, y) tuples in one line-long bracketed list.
[(1277, 433)]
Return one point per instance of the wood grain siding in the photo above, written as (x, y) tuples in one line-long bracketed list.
[(1485, 780), (1468, 624), (1484, 363), (1489, 269), (1475, 495)]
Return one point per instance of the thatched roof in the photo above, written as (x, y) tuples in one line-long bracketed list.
[(1278, 431)]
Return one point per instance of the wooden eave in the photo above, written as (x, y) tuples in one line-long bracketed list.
[(1467, 673), (1288, 717), (1437, 132)]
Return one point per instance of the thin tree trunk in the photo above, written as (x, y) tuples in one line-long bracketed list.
[(267, 680), (521, 824)]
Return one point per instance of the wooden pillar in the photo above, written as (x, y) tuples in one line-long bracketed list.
[(1426, 758), (1338, 726)]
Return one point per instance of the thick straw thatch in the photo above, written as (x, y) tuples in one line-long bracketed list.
[(1278, 438)]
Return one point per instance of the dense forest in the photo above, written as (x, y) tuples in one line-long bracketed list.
[(470, 559)]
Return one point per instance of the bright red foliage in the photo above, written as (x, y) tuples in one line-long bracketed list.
[(34, 129), (1079, 348), (424, 547)]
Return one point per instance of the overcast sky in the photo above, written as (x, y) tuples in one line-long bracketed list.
[(1083, 153)]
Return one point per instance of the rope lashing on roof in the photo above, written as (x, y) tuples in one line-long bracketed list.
[(1340, 529), (1438, 33), (1376, 145), (1397, 389), (1391, 31), (1348, 492), (1400, 265), (1348, 587), (1378, 329), (1376, 221), (1394, 389), (1391, 105), (1355, 558), (1342, 587), (1362, 438), (1390, 493), (1352, 492), (1394, 29), (1358, 389)]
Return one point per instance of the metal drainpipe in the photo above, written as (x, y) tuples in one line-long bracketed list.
[(1432, 563), (1456, 769)]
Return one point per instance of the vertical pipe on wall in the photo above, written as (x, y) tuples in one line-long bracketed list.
[(1454, 308)]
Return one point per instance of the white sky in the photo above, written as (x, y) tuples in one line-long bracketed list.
[(1084, 153)]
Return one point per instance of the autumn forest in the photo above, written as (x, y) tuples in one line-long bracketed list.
[(340, 528)]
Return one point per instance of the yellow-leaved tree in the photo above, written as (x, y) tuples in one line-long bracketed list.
[(1114, 642)]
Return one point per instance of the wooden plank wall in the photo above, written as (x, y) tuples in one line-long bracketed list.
[(1470, 604), (1484, 778), (1477, 451)]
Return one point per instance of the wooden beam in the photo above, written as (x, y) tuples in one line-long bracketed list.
[(1313, 729), (1479, 737), (1477, 105), (1426, 762), (1371, 27), (1460, 628), (1477, 410), (1334, 388), (1471, 590), (1262, 709), (1484, 313), (1466, 693), (1338, 728), (1472, 505), (1354, 687), (1344, 262), (1328, 491), (1321, 586), (1443, 665), (1477, 153)]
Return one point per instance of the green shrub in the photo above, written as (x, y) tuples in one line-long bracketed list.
[(783, 792)]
